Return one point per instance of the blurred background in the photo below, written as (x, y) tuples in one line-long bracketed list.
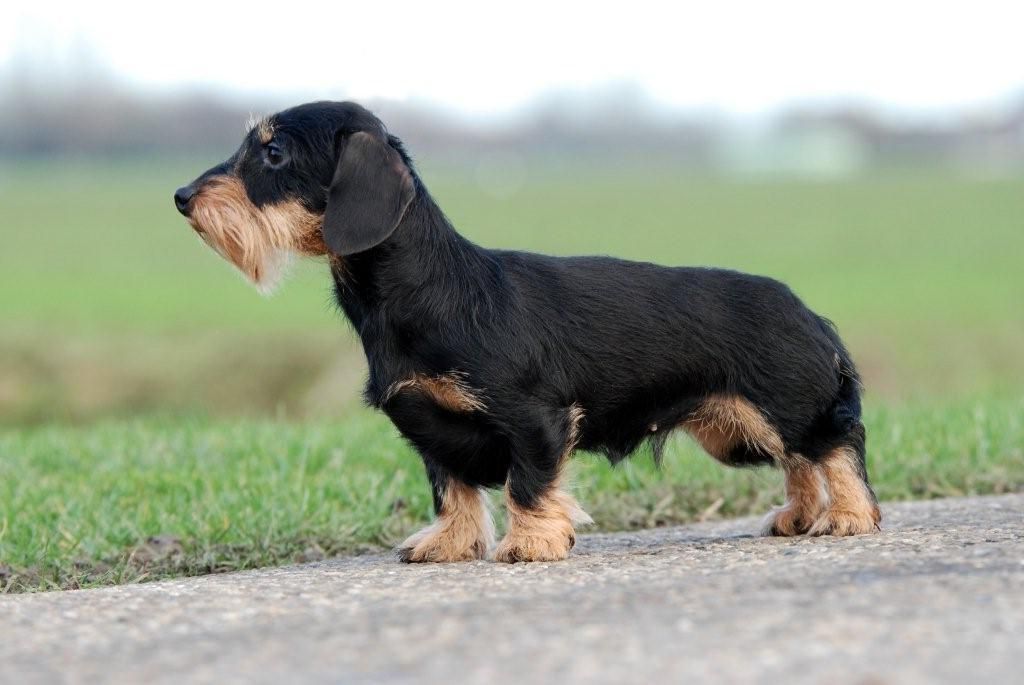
[(871, 155)]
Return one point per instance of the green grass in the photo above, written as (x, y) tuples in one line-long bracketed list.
[(77, 506), (116, 322)]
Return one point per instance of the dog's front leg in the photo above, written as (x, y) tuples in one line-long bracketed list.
[(463, 529), (541, 515)]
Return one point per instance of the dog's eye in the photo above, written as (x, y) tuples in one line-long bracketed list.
[(273, 155)]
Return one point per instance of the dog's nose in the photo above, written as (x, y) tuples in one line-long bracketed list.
[(183, 197)]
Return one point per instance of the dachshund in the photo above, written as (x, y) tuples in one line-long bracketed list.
[(497, 365)]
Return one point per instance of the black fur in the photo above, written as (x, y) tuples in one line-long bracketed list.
[(637, 346)]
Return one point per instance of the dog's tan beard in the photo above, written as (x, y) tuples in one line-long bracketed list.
[(259, 241)]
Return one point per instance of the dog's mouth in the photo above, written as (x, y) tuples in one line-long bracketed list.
[(258, 241)]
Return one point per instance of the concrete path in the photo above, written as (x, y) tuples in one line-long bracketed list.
[(937, 597)]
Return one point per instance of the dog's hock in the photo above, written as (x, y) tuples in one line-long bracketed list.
[(806, 498), (852, 508)]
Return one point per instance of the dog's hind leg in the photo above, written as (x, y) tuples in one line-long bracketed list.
[(852, 508), (463, 529), (541, 515), (735, 432), (806, 498)]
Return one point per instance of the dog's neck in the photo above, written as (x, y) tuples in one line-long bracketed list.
[(424, 272)]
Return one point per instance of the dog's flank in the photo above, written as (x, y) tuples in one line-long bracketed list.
[(722, 423), (496, 365)]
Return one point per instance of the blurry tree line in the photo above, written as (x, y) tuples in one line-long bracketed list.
[(99, 117)]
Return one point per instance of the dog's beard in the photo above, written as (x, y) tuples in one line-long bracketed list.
[(259, 241)]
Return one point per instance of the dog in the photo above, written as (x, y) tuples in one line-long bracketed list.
[(497, 365)]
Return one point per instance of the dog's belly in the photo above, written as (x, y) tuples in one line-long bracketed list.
[(617, 428)]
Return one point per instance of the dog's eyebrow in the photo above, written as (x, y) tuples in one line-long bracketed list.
[(262, 126)]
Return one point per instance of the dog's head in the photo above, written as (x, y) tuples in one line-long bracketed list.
[(321, 178)]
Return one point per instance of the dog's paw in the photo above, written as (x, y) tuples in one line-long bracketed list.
[(787, 521), (842, 522), (442, 544), (525, 547), (544, 532)]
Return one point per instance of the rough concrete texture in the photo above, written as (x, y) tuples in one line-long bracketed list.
[(938, 596)]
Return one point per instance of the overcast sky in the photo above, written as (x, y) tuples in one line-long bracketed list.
[(740, 57)]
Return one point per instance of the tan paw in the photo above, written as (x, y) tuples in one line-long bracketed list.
[(543, 532), (463, 530), (439, 543), (787, 521), (841, 522), (553, 546)]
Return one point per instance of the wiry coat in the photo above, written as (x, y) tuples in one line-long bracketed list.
[(497, 364)]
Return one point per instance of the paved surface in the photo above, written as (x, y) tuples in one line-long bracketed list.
[(937, 597)]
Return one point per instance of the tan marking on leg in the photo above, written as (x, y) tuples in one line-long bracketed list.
[(463, 530), (724, 421), (576, 415), (852, 508), (448, 390), (806, 499), (545, 531), (257, 240)]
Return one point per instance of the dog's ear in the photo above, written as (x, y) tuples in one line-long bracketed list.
[(371, 189)]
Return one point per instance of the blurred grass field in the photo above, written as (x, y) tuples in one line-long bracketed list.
[(109, 303), (146, 390)]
